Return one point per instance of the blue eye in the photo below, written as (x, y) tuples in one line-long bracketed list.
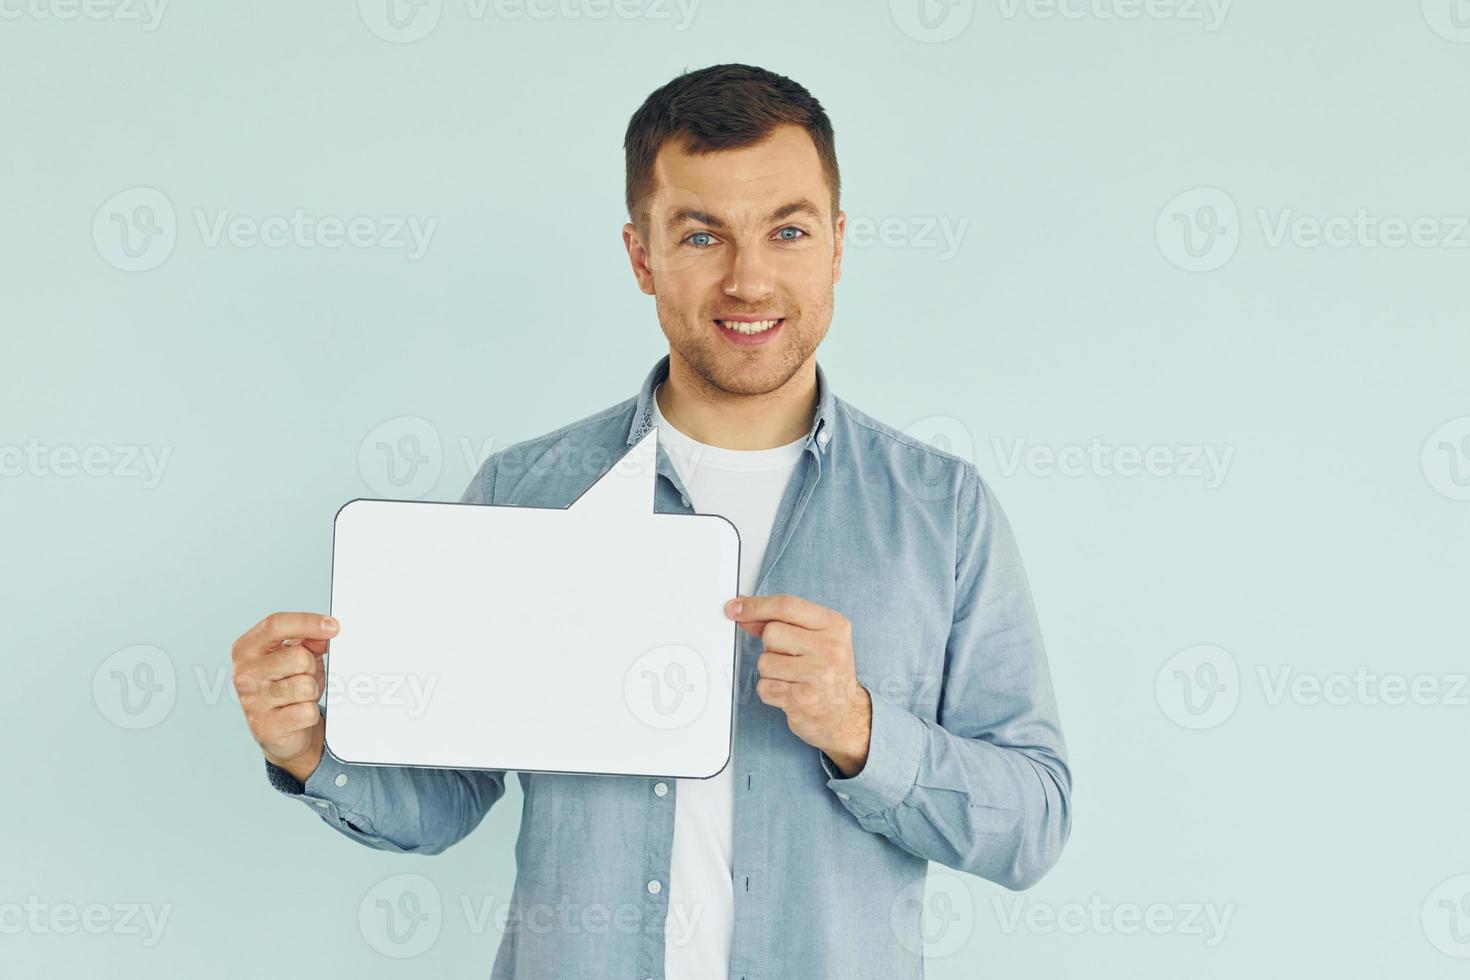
[(790, 238), (700, 234)]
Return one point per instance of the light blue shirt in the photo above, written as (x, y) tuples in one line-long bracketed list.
[(966, 764)]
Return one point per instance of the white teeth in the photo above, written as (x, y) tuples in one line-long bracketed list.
[(759, 326)]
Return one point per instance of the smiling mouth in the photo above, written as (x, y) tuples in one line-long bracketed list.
[(749, 327)]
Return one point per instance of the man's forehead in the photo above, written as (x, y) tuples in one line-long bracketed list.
[(745, 183)]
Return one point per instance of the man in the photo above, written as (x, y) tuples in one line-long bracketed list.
[(903, 710)]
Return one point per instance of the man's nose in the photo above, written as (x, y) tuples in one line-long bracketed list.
[(750, 276)]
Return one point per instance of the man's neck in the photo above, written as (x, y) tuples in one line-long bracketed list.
[(728, 421)]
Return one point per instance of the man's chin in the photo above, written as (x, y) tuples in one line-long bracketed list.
[(753, 371), (756, 377), (746, 386)]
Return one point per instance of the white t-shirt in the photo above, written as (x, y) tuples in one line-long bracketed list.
[(745, 486)]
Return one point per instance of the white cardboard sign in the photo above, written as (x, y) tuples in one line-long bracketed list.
[(590, 639)]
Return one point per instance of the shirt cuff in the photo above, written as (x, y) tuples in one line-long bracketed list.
[(334, 787), (895, 751), (283, 780)]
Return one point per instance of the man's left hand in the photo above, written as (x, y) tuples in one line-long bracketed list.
[(808, 671)]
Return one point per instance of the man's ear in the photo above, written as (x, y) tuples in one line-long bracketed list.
[(839, 227), (638, 257)]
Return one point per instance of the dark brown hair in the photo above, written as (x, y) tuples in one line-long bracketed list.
[(718, 108)]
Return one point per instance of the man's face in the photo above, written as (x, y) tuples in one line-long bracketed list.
[(734, 238)]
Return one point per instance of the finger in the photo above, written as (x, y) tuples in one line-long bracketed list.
[(289, 718), (779, 667), (773, 692), (291, 690), (783, 608), (286, 661), (272, 631), (792, 641)]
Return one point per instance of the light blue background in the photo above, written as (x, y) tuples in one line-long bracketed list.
[(1332, 543)]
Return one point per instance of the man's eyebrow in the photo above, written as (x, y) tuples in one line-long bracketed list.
[(802, 206), (680, 215)]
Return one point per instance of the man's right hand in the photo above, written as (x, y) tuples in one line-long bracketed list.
[(279, 676)]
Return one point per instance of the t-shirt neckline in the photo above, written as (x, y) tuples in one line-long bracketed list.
[(718, 457)]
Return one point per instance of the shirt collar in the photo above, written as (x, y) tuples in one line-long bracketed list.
[(818, 438)]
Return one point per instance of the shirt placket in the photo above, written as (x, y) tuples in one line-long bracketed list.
[(670, 497), (756, 814)]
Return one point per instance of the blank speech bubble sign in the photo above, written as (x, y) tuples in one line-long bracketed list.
[(585, 639)]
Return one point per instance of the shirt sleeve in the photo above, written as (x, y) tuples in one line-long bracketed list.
[(400, 808), (395, 808), (986, 788)]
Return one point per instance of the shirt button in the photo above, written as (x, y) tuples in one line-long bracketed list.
[(824, 437), (654, 887), (684, 499), (341, 779), (322, 804), (843, 796), (661, 789)]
